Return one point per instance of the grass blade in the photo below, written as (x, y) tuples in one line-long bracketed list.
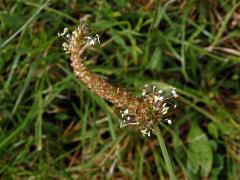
[(24, 26)]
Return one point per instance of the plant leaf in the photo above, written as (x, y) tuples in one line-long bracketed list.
[(200, 154)]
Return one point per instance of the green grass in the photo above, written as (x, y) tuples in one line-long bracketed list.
[(52, 126)]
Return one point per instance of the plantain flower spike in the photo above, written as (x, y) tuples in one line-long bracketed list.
[(144, 111)]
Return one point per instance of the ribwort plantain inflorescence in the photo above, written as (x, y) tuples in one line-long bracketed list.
[(144, 111)]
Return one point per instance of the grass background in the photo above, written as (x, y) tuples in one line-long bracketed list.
[(52, 127)]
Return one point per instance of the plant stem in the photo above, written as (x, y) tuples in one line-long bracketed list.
[(164, 152)]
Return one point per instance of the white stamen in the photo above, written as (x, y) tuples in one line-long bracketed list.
[(158, 98), (65, 30), (169, 121), (125, 112), (149, 134), (130, 124), (165, 109), (88, 38), (92, 42), (165, 112), (144, 132), (98, 39), (65, 45), (174, 93), (68, 36)]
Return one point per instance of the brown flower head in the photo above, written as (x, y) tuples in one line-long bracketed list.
[(144, 111)]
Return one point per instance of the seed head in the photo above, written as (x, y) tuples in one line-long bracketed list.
[(144, 111)]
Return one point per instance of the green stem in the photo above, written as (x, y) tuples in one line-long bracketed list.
[(164, 152)]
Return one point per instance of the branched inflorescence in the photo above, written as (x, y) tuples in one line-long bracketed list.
[(144, 111)]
